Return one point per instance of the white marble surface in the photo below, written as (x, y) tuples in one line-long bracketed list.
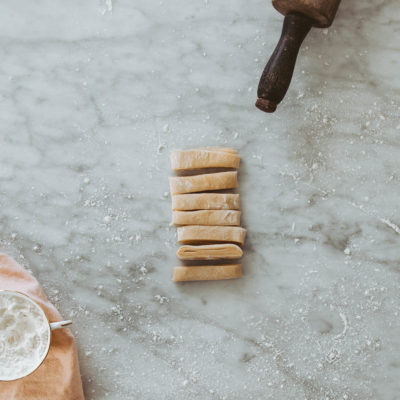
[(94, 97)]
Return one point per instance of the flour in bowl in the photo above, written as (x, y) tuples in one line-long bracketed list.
[(24, 336)]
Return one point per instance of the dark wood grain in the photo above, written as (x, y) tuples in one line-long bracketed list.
[(322, 12), (275, 79)]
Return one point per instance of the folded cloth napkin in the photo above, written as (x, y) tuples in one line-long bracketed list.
[(58, 377)]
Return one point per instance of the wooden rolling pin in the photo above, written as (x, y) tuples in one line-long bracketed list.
[(300, 16)]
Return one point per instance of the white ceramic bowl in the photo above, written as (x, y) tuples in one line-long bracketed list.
[(51, 327)]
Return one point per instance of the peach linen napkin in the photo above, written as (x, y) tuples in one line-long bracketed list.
[(58, 377)]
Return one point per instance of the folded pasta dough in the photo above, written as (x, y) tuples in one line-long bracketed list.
[(206, 217), (206, 201), (203, 182), (203, 234), (207, 273), (209, 252), (195, 159)]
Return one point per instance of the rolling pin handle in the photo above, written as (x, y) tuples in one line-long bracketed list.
[(277, 74)]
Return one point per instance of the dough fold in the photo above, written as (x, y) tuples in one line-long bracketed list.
[(206, 201), (207, 273), (182, 160), (203, 182), (206, 217), (205, 234), (209, 252)]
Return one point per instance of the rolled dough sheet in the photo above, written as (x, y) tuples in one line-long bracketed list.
[(206, 201), (206, 217), (182, 160), (209, 252), (192, 234), (207, 273), (203, 182)]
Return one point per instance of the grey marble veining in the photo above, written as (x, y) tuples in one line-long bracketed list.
[(95, 94)]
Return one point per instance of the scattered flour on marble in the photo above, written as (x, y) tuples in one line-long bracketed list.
[(24, 336), (390, 224), (108, 6), (161, 299), (345, 327), (385, 221), (107, 219)]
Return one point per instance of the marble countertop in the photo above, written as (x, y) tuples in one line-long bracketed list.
[(95, 95)]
